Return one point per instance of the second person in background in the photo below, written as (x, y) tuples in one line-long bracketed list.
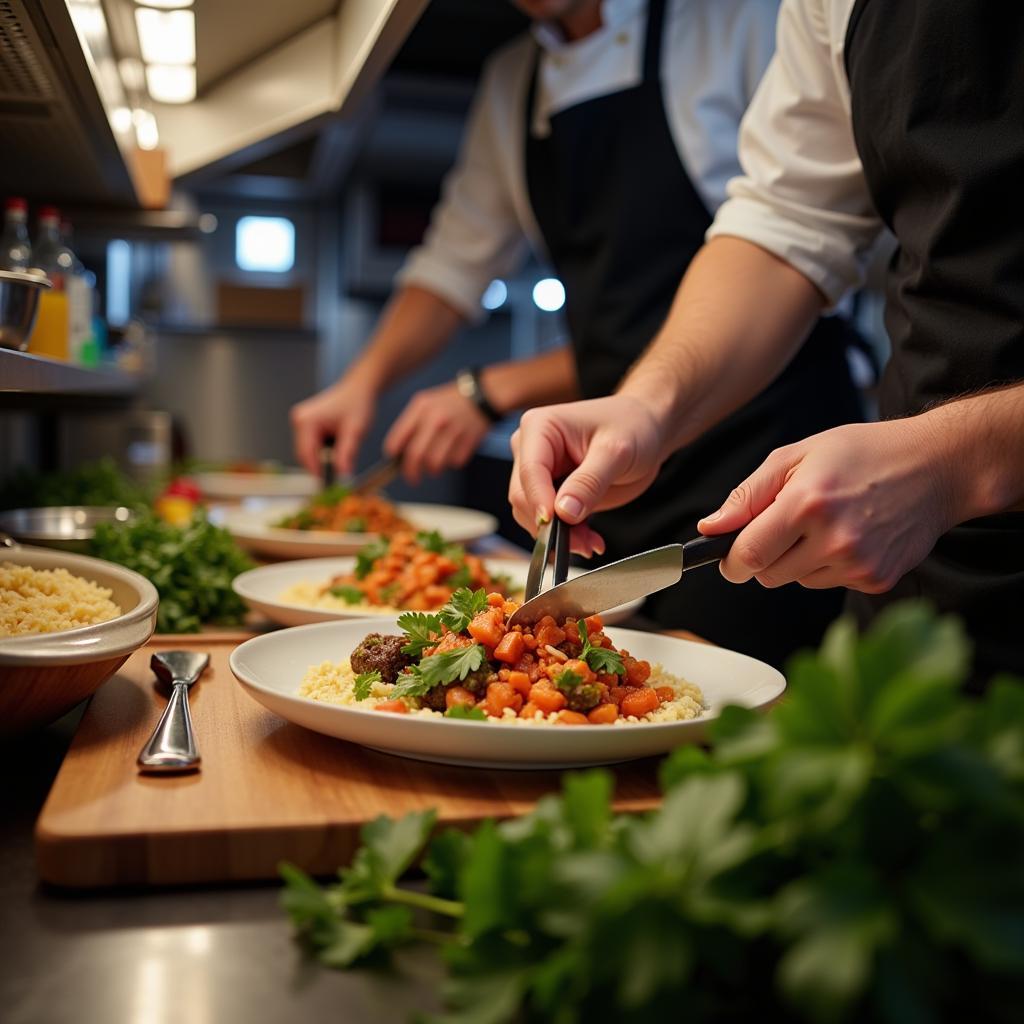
[(602, 139)]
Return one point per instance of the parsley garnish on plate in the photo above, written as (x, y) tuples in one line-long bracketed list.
[(568, 680), (458, 613), (362, 683), (422, 630), (350, 595), (439, 670), (366, 556), (431, 540), (465, 711), (600, 659)]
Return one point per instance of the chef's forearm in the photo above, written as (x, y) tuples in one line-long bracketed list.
[(738, 318), (980, 451), (526, 383), (415, 325)]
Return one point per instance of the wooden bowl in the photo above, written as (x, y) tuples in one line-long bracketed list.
[(44, 675)]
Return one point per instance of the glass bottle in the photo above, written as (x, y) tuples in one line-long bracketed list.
[(15, 250), (52, 333)]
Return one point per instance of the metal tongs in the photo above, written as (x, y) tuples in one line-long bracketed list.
[(552, 538)]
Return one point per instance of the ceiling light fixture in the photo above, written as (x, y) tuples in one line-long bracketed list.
[(133, 73), (147, 135), (171, 83), (166, 37), (167, 5)]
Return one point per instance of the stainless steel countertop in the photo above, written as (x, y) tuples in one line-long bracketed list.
[(202, 956)]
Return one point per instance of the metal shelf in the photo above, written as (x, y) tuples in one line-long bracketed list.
[(24, 377)]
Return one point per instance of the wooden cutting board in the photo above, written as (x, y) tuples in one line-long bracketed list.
[(268, 790)]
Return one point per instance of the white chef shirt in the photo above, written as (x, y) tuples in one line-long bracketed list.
[(713, 55), (803, 195)]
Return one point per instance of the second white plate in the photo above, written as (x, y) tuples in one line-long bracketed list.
[(262, 588)]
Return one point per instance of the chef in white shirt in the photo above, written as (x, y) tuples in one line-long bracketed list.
[(603, 139), (907, 115)]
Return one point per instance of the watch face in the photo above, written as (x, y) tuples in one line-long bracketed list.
[(465, 384)]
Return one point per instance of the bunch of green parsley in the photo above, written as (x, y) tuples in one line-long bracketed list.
[(856, 855)]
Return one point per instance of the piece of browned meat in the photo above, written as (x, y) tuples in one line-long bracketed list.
[(381, 653)]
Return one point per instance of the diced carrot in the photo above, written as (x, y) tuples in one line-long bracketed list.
[(665, 693), (594, 624), (399, 707), (501, 695), (530, 710), (581, 668), (519, 681), (530, 641), (603, 714), (549, 635), (495, 600), (571, 718), (510, 648), (572, 631), (485, 628), (458, 696), (637, 672), (547, 698), (639, 702)]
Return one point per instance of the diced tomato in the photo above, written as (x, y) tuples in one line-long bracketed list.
[(637, 672), (665, 693), (183, 487), (616, 693), (399, 707), (510, 648), (603, 714), (639, 702), (594, 624), (485, 628), (495, 600)]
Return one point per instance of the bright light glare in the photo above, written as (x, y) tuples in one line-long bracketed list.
[(133, 74), (147, 134), (168, 5), (121, 120), (166, 37), (119, 274), (265, 243), (549, 295), (171, 83), (495, 295)]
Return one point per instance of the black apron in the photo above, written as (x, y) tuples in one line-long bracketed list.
[(621, 221), (937, 91)]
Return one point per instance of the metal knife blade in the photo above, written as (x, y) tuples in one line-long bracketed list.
[(628, 579), (538, 563), (374, 477)]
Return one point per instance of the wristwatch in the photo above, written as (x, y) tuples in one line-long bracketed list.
[(467, 382)]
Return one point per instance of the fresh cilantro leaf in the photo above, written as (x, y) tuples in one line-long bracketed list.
[(600, 659), (430, 540), (350, 595), (422, 630), (363, 682), (357, 524), (462, 577), (368, 555), (465, 711), (568, 680), (464, 604), (332, 495), (393, 844), (438, 670), (444, 860)]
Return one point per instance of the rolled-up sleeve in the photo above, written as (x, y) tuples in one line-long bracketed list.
[(802, 194), (474, 235)]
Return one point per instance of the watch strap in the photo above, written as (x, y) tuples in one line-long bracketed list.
[(468, 383)]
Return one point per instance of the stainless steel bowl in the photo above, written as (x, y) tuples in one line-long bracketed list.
[(19, 303), (68, 527)]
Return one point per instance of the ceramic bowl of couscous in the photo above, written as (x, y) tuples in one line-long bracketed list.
[(67, 623)]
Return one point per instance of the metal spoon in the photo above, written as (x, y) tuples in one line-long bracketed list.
[(172, 747)]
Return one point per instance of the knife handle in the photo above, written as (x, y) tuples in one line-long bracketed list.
[(327, 461), (707, 549)]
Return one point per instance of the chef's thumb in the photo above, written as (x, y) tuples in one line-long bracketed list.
[(749, 499), (605, 462)]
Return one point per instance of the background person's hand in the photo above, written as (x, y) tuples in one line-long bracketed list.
[(343, 411), (609, 450), (857, 506), (439, 429)]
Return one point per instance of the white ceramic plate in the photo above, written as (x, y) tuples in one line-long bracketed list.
[(262, 588), (253, 528), (288, 483), (271, 667)]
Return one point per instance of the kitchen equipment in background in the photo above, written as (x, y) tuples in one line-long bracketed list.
[(15, 248), (68, 527), (19, 303), (140, 441), (625, 580)]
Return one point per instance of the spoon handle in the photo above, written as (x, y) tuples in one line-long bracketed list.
[(172, 747)]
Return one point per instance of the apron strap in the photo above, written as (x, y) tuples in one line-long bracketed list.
[(652, 42)]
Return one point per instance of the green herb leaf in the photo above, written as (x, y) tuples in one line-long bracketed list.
[(567, 680), (462, 577), (448, 666), (422, 630), (465, 711), (367, 556), (600, 659), (332, 495), (363, 682), (431, 540), (355, 525), (463, 606), (348, 594)]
